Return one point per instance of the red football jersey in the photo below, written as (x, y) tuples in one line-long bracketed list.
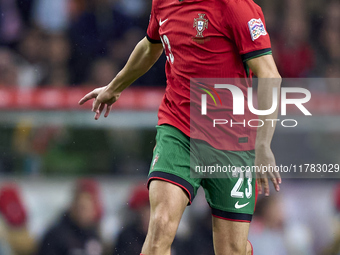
[(208, 39)]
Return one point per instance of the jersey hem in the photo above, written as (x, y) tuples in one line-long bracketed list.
[(184, 131)]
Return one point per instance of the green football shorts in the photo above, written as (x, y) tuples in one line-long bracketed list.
[(229, 189)]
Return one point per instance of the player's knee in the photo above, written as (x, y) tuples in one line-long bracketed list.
[(163, 227), (237, 249), (163, 222), (160, 233)]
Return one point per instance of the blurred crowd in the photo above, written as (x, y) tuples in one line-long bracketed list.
[(69, 42), (60, 43), (305, 37), (79, 42), (77, 229)]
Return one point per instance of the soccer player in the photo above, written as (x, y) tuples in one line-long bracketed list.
[(202, 39)]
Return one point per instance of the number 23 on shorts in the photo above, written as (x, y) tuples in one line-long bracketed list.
[(236, 190)]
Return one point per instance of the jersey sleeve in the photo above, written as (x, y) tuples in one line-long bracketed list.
[(245, 25), (152, 33)]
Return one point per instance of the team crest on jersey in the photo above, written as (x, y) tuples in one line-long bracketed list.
[(256, 28), (200, 24)]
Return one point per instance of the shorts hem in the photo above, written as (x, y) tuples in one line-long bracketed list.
[(231, 216), (174, 179)]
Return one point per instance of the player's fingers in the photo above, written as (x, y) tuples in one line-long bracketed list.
[(99, 111), (275, 183), (95, 105), (278, 178), (266, 187), (259, 185), (108, 110), (87, 97)]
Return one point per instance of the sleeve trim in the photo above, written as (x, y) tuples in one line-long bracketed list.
[(153, 40), (255, 54)]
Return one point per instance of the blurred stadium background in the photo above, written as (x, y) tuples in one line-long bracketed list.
[(52, 52)]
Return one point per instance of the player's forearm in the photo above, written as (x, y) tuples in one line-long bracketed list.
[(265, 101), (140, 61), (265, 69)]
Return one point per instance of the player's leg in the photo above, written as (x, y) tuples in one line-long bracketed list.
[(232, 197), (250, 249), (230, 237), (171, 188), (167, 202)]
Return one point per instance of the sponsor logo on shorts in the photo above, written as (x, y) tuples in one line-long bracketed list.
[(237, 206)]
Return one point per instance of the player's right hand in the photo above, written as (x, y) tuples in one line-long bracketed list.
[(103, 98)]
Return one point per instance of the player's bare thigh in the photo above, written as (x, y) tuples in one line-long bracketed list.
[(230, 237), (167, 204)]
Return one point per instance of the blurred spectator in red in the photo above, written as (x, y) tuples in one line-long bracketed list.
[(14, 213), (132, 236), (294, 53), (77, 230)]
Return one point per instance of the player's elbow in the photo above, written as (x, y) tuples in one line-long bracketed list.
[(154, 50)]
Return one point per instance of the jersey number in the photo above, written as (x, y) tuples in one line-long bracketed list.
[(235, 192), (167, 48)]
